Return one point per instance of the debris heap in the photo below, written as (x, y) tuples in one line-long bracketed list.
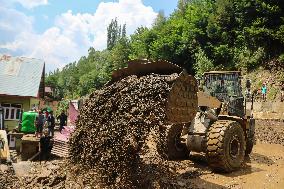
[(113, 125), (7, 178), (269, 132)]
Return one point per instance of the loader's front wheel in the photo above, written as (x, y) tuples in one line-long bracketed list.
[(225, 145), (170, 144), (250, 137)]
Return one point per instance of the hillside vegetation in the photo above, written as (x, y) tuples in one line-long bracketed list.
[(200, 35)]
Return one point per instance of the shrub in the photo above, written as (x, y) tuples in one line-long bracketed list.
[(62, 106), (247, 60), (202, 63), (281, 58), (272, 93)]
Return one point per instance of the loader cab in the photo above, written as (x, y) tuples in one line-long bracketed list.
[(226, 87)]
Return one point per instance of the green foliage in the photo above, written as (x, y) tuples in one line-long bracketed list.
[(160, 20), (203, 63), (62, 106), (271, 95), (199, 35), (119, 54), (281, 58), (114, 33), (92, 72), (79, 78), (141, 42), (248, 60)]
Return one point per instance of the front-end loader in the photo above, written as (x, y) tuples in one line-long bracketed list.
[(210, 117)]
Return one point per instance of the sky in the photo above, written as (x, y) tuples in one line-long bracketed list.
[(61, 31)]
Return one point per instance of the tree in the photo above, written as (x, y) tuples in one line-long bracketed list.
[(203, 63), (160, 20), (113, 33), (123, 32), (199, 35), (182, 6), (119, 54), (141, 42)]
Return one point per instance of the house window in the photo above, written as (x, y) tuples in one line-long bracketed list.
[(11, 111)]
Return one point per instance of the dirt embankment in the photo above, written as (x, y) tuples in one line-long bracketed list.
[(271, 132)]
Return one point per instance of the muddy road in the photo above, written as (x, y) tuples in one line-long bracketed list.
[(263, 169)]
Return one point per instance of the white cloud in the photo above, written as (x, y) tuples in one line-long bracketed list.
[(45, 17), (72, 34), (13, 22), (31, 3)]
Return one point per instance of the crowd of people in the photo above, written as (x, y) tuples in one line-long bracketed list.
[(47, 120), (45, 125)]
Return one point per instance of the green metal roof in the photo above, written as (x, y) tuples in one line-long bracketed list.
[(20, 76)]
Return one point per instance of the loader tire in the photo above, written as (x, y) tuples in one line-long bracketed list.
[(250, 138), (249, 147), (225, 143), (169, 145)]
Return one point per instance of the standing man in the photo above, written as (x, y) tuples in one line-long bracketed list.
[(39, 122), (282, 91), (264, 91), (248, 86), (248, 90), (51, 124), (62, 120), (45, 147)]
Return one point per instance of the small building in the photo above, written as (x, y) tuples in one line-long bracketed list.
[(21, 86), (48, 91)]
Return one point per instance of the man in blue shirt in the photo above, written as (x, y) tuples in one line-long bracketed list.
[(263, 91)]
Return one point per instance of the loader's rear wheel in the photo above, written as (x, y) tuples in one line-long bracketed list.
[(170, 144), (225, 145)]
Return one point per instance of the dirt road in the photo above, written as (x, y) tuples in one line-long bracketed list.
[(263, 169)]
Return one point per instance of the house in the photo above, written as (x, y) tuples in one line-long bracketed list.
[(21, 86)]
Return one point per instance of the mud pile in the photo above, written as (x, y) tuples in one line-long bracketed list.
[(7, 178), (113, 125), (269, 132), (50, 174)]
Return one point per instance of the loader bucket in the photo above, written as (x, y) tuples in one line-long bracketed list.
[(144, 67), (182, 103)]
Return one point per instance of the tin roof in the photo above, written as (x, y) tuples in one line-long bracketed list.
[(20, 76)]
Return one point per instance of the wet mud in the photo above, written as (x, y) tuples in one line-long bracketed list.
[(264, 168)]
